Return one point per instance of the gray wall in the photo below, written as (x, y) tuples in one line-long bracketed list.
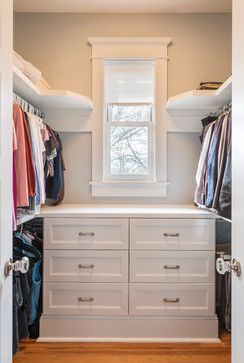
[(56, 44)]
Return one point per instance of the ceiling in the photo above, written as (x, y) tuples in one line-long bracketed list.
[(122, 6)]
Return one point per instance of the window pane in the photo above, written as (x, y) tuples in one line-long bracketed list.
[(129, 150), (129, 113), (129, 81)]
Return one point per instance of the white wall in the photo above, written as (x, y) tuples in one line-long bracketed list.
[(183, 151), (201, 51)]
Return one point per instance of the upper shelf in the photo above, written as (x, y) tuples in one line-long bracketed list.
[(202, 99), (51, 99)]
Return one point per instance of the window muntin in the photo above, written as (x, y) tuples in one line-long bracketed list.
[(122, 112), (129, 124)]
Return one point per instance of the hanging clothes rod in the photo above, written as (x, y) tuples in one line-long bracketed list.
[(27, 107), (225, 109)]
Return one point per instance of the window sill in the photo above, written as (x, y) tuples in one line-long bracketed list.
[(129, 189)]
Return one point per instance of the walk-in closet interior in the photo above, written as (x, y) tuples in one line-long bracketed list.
[(121, 150)]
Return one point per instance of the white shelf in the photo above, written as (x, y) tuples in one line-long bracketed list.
[(202, 99), (25, 219), (125, 211), (51, 99)]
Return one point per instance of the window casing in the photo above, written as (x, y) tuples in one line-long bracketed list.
[(112, 174)]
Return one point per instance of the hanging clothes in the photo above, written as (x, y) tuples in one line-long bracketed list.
[(222, 197), (201, 170), (213, 177), (51, 146), (55, 182), (20, 159), (14, 140), (223, 297), (35, 125), (38, 167), (224, 201), (27, 301), (206, 124), (31, 178), (223, 282), (212, 162)]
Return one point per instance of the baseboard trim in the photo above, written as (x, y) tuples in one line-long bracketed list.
[(128, 340), (53, 329)]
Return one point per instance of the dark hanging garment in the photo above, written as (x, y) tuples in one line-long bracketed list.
[(15, 315), (35, 282), (213, 178), (23, 307), (224, 206), (27, 288), (223, 297), (222, 198), (55, 183), (206, 122), (223, 282), (212, 163)]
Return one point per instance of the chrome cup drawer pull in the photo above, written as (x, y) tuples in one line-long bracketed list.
[(171, 235), (171, 267), (83, 234), (90, 266), (176, 300), (86, 299)]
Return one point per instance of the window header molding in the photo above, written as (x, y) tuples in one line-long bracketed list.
[(127, 47), (129, 41)]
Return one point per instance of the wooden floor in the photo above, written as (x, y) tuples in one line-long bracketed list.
[(32, 352)]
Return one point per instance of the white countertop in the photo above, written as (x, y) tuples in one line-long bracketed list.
[(125, 211)]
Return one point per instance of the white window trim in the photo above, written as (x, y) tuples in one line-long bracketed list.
[(155, 48)]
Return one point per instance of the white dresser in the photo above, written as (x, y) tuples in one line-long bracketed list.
[(128, 274)]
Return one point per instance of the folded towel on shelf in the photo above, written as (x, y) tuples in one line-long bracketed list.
[(209, 85)]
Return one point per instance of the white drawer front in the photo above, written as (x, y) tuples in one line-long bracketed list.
[(172, 266), (86, 266), (172, 234), (172, 299), (79, 233), (67, 299)]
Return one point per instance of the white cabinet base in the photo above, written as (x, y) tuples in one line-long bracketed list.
[(152, 278), (128, 329)]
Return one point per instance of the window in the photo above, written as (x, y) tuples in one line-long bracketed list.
[(129, 133), (129, 122)]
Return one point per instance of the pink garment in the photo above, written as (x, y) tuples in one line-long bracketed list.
[(20, 158), (14, 180), (15, 143), (31, 177)]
